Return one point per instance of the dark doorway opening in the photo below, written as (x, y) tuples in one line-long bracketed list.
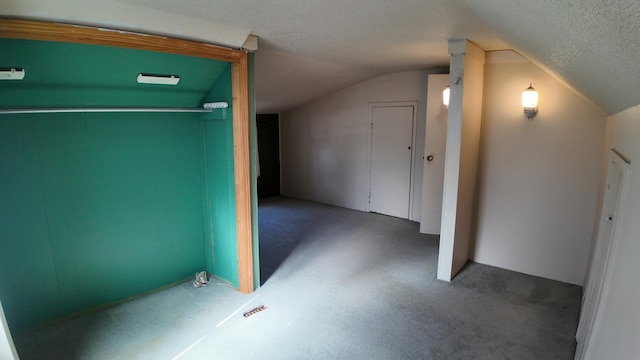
[(268, 155)]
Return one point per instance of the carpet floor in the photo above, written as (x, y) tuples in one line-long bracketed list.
[(337, 284)]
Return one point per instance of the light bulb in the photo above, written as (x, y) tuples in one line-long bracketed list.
[(445, 96), (530, 102)]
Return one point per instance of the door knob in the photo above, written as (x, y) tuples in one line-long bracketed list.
[(430, 158)]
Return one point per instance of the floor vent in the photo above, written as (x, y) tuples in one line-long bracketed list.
[(254, 311)]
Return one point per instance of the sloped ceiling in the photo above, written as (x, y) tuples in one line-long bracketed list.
[(79, 75), (594, 45), (310, 48)]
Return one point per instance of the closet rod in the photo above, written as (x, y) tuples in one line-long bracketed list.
[(101, 110)]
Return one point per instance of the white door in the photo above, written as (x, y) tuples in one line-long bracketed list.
[(433, 159), (391, 159), (602, 251)]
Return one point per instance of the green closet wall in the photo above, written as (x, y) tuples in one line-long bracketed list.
[(97, 208), (220, 211)]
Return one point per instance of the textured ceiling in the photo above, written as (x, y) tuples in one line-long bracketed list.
[(309, 48), (594, 45)]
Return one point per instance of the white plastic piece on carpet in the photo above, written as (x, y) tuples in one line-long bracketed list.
[(201, 279)]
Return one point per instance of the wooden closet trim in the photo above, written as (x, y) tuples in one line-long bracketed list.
[(49, 31)]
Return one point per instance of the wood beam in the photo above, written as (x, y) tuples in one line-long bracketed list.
[(240, 76)]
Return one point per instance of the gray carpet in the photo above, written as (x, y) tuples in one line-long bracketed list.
[(338, 284)]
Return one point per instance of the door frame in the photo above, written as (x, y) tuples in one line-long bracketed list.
[(372, 106), (589, 320)]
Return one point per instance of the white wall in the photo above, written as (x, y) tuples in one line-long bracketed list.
[(7, 350), (325, 144), (617, 329), (539, 178)]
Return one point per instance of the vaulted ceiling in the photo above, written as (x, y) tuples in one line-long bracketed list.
[(310, 48)]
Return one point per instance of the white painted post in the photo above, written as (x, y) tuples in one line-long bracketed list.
[(7, 349), (461, 159)]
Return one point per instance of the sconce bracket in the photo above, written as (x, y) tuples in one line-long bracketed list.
[(530, 112)]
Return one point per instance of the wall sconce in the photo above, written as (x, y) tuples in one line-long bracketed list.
[(11, 73), (445, 96), (158, 79), (530, 102)]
